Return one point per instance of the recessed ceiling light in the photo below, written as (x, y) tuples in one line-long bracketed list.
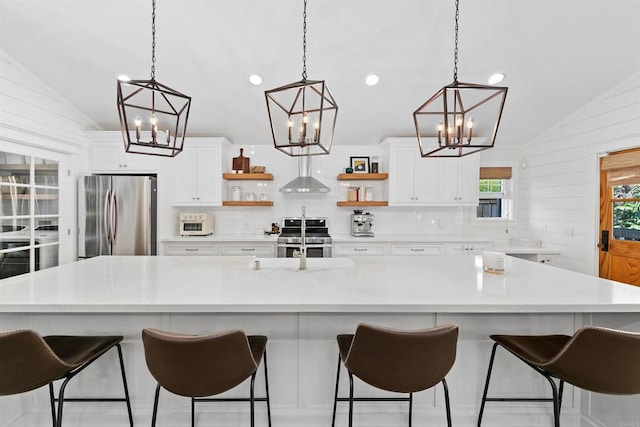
[(496, 78), (255, 79), (372, 80), (123, 78)]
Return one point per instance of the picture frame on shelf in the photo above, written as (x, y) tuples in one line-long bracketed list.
[(360, 164)]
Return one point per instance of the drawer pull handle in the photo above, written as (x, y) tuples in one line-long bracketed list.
[(191, 249), (417, 249), (248, 249), (360, 249)]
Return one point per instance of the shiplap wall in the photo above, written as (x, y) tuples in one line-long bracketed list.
[(559, 186)]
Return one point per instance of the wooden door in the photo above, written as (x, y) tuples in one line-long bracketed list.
[(620, 217)]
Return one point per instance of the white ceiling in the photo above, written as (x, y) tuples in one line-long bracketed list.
[(557, 56)]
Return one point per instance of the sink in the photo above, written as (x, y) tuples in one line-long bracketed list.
[(313, 264)]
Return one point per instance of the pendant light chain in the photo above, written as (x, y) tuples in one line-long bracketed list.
[(304, 42), (455, 51), (153, 41)]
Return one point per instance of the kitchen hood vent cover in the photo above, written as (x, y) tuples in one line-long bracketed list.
[(304, 183)]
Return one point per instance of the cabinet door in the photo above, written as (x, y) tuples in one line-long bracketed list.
[(468, 179), (256, 249), (196, 249), (425, 180), (467, 248), (208, 176), (355, 249), (110, 157), (459, 180), (184, 166), (401, 175), (416, 249)]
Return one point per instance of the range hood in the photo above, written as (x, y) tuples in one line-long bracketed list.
[(305, 183)]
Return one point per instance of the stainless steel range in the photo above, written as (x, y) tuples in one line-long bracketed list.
[(317, 239)]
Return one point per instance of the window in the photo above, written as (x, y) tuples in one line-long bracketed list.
[(495, 190), (29, 214)]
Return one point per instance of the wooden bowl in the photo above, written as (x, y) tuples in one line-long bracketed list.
[(258, 169)]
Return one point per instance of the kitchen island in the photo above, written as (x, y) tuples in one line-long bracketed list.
[(301, 312)]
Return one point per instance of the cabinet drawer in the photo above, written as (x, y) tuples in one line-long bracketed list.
[(192, 249), (417, 250), (354, 249), (467, 248), (266, 250)]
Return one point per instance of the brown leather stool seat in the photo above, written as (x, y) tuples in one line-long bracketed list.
[(595, 359), (198, 366), (29, 361), (396, 360)]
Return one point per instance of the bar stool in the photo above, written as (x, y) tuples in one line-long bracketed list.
[(29, 361), (596, 359), (198, 366), (396, 360)]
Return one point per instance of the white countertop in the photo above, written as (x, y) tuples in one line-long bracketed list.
[(213, 238), (409, 238), (378, 238), (454, 284), (524, 250)]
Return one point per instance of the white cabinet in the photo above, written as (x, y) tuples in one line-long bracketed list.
[(192, 249), (357, 249), (416, 249), (197, 173), (248, 248), (418, 181), (107, 155), (467, 248), (412, 179), (459, 180)]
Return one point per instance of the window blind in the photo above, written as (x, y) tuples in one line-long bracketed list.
[(495, 172)]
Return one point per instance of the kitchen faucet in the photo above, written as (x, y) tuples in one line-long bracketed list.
[(303, 246)]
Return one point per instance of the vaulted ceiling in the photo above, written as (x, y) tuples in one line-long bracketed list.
[(557, 56)]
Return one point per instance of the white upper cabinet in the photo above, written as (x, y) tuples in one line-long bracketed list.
[(417, 181), (197, 173), (459, 180), (412, 179), (107, 155)]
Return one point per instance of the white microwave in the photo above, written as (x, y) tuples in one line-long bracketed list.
[(196, 224)]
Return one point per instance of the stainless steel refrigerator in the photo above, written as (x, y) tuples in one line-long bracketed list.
[(117, 215)]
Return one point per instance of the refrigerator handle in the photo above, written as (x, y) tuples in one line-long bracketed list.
[(105, 216), (114, 217)]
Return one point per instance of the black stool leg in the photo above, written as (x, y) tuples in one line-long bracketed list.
[(350, 398), (193, 412), (556, 400), (251, 399), (560, 395), (61, 398), (124, 382), (410, 407), (266, 388), (446, 401), (486, 384), (335, 398), (155, 406), (53, 404)]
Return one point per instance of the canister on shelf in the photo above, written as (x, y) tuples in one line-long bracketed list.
[(369, 193), (352, 194), (236, 193)]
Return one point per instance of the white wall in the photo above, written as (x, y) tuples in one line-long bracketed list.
[(560, 187), (34, 120)]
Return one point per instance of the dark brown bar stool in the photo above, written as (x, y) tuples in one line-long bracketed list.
[(396, 360), (594, 359), (29, 361), (198, 366)]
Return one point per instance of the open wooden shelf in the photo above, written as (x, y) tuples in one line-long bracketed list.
[(248, 176), (362, 176), (246, 203), (370, 203)]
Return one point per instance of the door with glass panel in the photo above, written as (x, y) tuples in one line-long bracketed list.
[(29, 214), (620, 217)]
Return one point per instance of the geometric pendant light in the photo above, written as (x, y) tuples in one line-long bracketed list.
[(153, 117), (461, 118), (302, 114)]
